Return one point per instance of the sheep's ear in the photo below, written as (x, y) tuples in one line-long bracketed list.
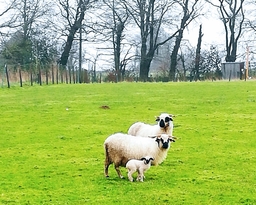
[(157, 118), (156, 136), (152, 136), (171, 138), (143, 158), (151, 158), (171, 117)]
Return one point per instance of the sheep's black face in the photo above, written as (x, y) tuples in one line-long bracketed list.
[(147, 159), (164, 121), (165, 144), (161, 123), (165, 141)]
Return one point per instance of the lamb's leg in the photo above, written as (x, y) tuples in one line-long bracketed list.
[(118, 171), (130, 172), (141, 177)]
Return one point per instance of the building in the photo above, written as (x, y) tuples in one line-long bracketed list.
[(232, 70)]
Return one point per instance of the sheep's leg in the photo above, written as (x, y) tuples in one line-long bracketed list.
[(107, 161), (118, 171), (130, 172), (106, 169), (141, 177)]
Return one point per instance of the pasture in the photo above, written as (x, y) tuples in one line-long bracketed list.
[(52, 137)]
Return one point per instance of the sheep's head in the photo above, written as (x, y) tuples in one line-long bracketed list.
[(164, 141), (147, 159), (165, 120)]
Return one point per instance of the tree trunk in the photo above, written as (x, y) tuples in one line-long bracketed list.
[(146, 58), (144, 69), (174, 55), (198, 51), (73, 29)]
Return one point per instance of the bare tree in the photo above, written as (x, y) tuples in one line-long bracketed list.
[(31, 15), (29, 21), (189, 13), (149, 16), (198, 55), (119, 18), (232, 16), (6, 20), (74, 15)]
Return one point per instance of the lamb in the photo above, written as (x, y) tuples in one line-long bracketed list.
[(140, 166), (164, 126), (120, 148)]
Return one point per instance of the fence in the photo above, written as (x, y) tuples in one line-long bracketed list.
[(53, 75)]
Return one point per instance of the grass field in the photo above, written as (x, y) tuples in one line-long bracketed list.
[(52, 137)]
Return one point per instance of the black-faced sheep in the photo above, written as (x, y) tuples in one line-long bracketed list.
[(164, 126), (140, 166), (120, 148)]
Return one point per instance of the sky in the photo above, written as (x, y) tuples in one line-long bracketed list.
[(212, 30)]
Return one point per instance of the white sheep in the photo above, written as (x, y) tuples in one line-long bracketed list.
[(164, 126), (120, 148), (140, 166)]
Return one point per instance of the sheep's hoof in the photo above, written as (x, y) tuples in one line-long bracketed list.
[(107, 176)]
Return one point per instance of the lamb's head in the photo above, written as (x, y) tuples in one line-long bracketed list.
[(165, 120), (147, 159), (164, 141)]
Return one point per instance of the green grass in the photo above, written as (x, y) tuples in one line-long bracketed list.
[(50, 155)]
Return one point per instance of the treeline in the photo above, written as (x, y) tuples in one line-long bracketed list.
[(127, 38)]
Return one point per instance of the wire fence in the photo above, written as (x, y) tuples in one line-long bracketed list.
[(53, 75)]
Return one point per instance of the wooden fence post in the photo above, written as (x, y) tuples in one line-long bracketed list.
[(31, 77), (20, 76), (7, 75), (46, 75), (39, 75), (52, 75), (57, 75)]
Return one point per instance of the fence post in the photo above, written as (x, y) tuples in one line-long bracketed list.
[(46, 75), (52, 75), (7, 75), (31, 77), (57, 74), (20, 76), (39, 75)]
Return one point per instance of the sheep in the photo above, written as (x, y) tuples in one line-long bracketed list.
[(120, 148), (164, 126), (140, 166)]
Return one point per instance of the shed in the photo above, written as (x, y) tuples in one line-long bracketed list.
[(232, 70)]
